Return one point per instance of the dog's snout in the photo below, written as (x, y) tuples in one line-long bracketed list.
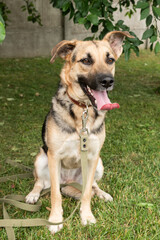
[(106, 81)]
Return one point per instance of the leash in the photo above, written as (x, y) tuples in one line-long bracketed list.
[(84, 148), (19, 200)]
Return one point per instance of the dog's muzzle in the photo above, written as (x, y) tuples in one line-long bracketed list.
[(104, 82), (96, 88)]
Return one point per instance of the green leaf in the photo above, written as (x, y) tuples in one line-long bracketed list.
[(103, 33), (153, 39), (144, 13), (109, 25), (30, 18), (136, 50), (2, 32), (120, 22), (105, 2), (93, 19), (127, 54), (71, 11), (81, 6), (95, 11), (81, 20), (125, 27), (148, 33), (66, 6), (94, 28), (58, 4), (1, 19), (77, 16), (151, 47), (126, 46), (157, 48), (148, 20), (156, 11), (87, 25), (88, 38), (135, 41), (142, 5)]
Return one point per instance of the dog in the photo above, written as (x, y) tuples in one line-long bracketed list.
[(87, 76)]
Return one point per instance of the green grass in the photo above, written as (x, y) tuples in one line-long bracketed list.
[(131, 153)]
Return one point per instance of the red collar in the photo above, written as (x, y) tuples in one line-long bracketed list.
[(79, 104)]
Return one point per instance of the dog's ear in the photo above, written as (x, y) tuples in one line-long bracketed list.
[(63, 49), (115, 40)]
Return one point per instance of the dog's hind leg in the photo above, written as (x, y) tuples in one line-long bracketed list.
[(41, 173), (98, 175), (100, 193)]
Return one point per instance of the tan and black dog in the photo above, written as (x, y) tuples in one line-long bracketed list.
[(86, 77)]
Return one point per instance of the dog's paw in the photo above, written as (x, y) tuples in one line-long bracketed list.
[(87, 218), (55, 228), (105, 196), (32, 197)]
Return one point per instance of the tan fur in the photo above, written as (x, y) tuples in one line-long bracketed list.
[(62, 128)]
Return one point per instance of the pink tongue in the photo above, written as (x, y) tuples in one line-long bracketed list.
[(103, 102)]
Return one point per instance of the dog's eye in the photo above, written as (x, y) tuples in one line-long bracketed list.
[(110, 60), (86, 61)]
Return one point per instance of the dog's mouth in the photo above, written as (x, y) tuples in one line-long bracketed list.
[(99, 99)]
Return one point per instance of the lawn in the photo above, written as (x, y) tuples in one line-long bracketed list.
[(131, 153)]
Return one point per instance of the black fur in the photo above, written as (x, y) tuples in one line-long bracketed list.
[(45, 148), (71, 112), (98, 129), (62, 123)]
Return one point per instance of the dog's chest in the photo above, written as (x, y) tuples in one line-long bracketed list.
[(64, 136), (69, 152)]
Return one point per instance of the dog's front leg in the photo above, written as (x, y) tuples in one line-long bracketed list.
[(56, 200), (85, 210)]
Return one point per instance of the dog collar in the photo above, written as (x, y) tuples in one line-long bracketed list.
[(79, 104)]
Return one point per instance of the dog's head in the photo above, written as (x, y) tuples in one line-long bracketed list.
[(90, 66)]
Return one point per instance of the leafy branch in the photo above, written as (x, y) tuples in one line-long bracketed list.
[(99, 17), (4, 11), (150, 11), (33, 14)]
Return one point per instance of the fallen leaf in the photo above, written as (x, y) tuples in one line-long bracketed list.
[(136, 95), (49, 209), (10, 99), (17, 160), (33, 154), (1, 124), (14, 148), (147, 205), (37, 94)]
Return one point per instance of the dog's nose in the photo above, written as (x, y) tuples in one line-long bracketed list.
[(107, 81)]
